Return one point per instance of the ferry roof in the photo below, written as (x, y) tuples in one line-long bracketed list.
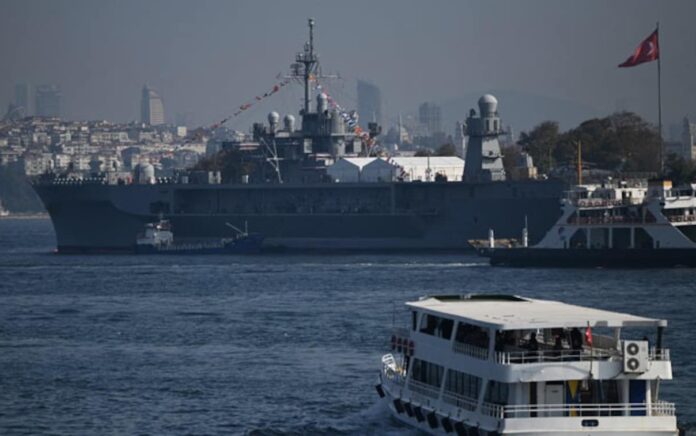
[(508, 312)]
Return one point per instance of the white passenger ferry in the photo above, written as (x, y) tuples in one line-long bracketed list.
[(615, 224), (506, 365)]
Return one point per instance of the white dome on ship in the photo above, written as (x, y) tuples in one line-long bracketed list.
[(273, 118), (488, 105), (289, 122)]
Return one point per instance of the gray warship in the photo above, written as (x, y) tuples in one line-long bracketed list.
[(289, 199)]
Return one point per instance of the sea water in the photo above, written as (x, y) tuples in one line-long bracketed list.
[(261, 345)]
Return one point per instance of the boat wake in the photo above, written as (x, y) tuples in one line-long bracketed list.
[(374, 420)]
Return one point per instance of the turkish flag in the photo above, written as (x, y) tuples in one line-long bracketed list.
[(647, 51), (588, 335)]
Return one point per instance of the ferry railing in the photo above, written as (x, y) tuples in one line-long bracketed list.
[(608, 220), (603, 202), (493, 410), (424, 388), (659, 408), (460, 401), (681, 218), (542, 356), (659, 354), (470, 350)]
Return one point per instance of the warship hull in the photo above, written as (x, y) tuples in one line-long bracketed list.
[(92, 218)]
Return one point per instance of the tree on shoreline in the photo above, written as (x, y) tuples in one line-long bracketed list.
[(622, 141)]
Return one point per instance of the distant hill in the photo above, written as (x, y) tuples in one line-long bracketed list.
[(520, 110)]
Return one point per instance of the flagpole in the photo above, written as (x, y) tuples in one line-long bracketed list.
[(659, 104)]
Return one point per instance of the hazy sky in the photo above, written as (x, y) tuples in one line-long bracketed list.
[(208, 57)]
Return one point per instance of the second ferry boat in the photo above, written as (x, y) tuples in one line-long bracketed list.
[(507, 365), (616, 224)]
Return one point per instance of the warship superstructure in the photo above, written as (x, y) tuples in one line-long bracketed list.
[(286, 195)]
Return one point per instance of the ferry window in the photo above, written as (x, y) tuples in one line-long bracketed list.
[(462, 384), (472, 335), (496, 393), (436, 326), (414, 320), (426, 372)]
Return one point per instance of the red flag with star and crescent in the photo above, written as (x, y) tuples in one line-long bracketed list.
[(647, 51)]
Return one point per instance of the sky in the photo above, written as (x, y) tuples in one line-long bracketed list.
[(206, 58)]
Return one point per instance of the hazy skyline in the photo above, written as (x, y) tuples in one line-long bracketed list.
[(208, 57)]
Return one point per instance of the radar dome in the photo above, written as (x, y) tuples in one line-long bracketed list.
[(273, 118), (488, 105), (289, 122)]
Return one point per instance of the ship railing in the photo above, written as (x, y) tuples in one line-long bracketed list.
[(608, 220), (493, 410), (659, 354), (424, 389), (681, 218), (658, 408), (544, 356), (471, 350), (461, 401), (603, 202)]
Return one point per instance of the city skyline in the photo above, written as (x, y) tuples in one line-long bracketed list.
[(565, 53)]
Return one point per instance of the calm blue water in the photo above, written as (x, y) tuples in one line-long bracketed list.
[(257, 345)]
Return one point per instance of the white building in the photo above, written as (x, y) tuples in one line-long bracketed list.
[(411, 169), (348, 169)]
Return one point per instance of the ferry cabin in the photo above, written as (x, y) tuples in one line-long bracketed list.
[(490, 365), (626, 217)]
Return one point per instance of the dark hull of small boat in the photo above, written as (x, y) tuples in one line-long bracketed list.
[(608, 258), (251, 244)]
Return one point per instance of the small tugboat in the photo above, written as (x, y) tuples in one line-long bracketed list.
[(486, 364), (158, 238), (613, 225)]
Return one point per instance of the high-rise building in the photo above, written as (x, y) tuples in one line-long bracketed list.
[(21, 98), (430, 116), (369, 104), (48, 101), (688, 140), (151, 107)]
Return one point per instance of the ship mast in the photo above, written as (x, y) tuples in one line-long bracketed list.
[(309, 60)]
